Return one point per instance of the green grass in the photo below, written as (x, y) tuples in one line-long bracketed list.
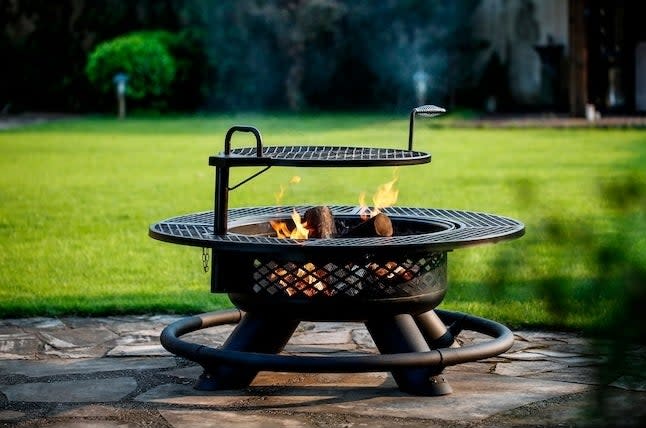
[(77, 198)]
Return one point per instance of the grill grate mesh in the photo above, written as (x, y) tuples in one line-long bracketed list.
[(331, 153)]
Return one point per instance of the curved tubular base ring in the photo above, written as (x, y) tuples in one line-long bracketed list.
[(207, 357)]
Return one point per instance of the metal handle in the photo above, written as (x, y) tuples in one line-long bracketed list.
[(425, 111), (222, 179), (238, 128)]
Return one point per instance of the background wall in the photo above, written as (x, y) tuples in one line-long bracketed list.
[(511, 30)]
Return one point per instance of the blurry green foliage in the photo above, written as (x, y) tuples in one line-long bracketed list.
[(615, 286), (142, 56), (193, 68)]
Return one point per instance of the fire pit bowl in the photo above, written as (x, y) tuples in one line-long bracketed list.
[(337, 278), (392, 282)]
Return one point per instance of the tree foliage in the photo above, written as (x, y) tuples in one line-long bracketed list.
[(141, 56), (242, 54)]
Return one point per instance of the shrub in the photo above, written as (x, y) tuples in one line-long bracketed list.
[(193, 69), (146, 61)]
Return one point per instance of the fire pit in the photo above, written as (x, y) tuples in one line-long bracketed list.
[(391, 283)]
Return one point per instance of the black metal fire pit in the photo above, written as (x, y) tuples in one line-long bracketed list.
[(391, 283)]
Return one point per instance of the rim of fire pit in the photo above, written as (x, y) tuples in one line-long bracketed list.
[(459, 229)]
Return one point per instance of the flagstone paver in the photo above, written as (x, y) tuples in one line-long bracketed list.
[(60, 366), (82, 391)]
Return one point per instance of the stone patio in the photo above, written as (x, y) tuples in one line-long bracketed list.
[(112, 372)]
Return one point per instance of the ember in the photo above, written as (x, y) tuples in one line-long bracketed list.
[(306, 279)]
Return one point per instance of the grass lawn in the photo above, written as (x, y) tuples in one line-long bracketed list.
[(77, 198)]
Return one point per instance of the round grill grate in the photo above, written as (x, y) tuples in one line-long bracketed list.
[(458, 229), (320, 156)]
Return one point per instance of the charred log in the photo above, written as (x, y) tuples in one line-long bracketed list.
[(320, 222), (379, 225)]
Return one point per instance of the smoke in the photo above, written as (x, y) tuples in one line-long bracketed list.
[(378, 46), (402, 40)]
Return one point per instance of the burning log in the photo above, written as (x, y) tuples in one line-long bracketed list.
[(379, 225), (320, 222)]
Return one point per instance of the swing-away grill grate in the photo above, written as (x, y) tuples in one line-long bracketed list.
[(320, 156)]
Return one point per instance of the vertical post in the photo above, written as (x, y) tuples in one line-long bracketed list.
[(221, 199), (411, 126), (578, 58), (120, 81), (220, 210), (122, 105)]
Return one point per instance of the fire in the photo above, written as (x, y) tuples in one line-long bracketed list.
[(385, 196), (310, 280), (281, 193), (282, 230), (300, 229)]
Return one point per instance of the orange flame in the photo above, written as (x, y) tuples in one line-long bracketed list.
[(385, 196), (282, 230), (281, 193)]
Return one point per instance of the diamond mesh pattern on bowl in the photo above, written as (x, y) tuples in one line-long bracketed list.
[(393, 278)]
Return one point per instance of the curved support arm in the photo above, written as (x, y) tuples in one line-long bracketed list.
[(425, 111)]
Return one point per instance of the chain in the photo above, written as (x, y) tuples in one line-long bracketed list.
[(205, 259)]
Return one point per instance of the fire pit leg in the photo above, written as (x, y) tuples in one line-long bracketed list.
[(254, 333), (437, 335), (400, 334)]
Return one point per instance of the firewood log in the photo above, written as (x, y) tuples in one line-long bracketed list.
[(320, 222), (379, 225)]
